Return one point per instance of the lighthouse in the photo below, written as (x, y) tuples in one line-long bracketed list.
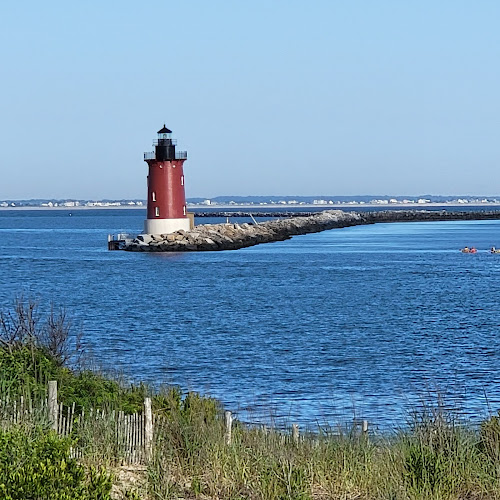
[(167, 211)]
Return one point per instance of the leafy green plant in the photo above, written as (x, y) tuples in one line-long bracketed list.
[(36, 465), (89, 389)]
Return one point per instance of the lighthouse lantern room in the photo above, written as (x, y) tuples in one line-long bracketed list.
[(167, 211)]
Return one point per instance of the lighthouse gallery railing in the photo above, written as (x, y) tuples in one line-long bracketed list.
[(179, 155)]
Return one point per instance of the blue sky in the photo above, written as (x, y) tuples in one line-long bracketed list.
[(268, 97)]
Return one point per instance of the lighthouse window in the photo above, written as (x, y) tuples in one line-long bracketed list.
[(153, 196), (182, 180), (157, 211), (184, 209)]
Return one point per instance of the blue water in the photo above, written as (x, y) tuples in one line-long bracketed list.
[(363, 320)]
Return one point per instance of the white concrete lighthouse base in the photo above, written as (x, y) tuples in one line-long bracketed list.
[(165, 226)]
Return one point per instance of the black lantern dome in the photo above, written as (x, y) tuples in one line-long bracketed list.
[(165, 147)]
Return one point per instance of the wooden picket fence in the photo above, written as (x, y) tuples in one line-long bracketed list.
[(98, 434), (109, 435), (124, 434)]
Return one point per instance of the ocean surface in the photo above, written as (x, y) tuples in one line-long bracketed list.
[(361, 322)]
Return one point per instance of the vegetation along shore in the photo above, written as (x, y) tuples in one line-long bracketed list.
[(111, 439)]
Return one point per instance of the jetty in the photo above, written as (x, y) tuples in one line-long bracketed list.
[(230, 236)]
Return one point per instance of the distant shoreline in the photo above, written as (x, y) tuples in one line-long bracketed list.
[(72, 209), (249, 208)]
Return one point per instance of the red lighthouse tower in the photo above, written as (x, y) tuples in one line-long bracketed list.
[(166, 198)]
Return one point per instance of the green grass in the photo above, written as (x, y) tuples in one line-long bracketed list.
[(438, 460)]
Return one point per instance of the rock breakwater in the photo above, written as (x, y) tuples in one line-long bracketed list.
[(210, 237), (427, 215), (213, 237)]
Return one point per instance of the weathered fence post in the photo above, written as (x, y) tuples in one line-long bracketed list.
[(229, 422), (52, 404), (148, 429), (365, 427), (295, 433)]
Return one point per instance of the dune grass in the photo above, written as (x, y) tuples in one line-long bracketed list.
[(436, 457)]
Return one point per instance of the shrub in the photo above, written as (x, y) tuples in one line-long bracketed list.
[(24, 326), (89, 389), (26, 370), (37, 465)]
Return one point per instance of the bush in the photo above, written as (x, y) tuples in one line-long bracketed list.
[(37, 465), (24, 326), (89, 389), (36, 349), (26, 370)]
